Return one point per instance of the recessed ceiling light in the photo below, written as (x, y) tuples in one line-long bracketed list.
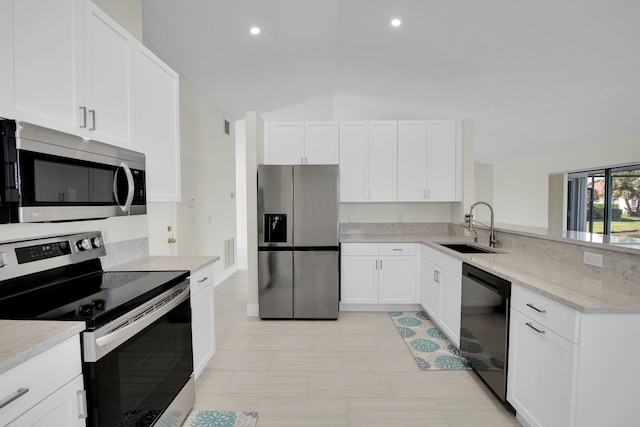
[(255, 31), (396, 22)]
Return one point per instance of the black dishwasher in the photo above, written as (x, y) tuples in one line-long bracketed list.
[(484, 326)]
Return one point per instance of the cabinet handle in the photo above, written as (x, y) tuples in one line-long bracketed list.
[(82, 404), (93, 121), (376, 264), (84, 117), (424, 193), (436, 276), (397, 249), (302, 160), (306, 161), (14, 396), (380, 264), (536, 308), (428, 194), (203, 279), (540, 331)]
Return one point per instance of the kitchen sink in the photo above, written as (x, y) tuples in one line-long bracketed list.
[(466, 248)]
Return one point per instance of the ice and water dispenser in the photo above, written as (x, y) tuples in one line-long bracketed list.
[(275, 228)]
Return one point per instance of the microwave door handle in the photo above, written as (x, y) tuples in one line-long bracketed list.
[(130, 187)]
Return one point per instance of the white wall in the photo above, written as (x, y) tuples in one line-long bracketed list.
[(207, 213), (241, 193), (521, 188), (254, 156)]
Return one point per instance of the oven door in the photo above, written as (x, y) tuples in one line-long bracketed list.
[(138, 370)]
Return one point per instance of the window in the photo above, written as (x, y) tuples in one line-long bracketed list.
[(605, 201)]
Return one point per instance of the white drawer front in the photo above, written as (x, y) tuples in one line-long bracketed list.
[(397, 248), (442, 260), (563, 320), (201, 278), (359, 249), (41, 376)]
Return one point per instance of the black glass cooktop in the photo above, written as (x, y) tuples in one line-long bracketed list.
[(95, 297)]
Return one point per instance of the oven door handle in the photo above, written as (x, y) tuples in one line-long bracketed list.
[(105, 344)]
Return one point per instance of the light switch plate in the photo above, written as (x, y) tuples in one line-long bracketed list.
[(593, 259)]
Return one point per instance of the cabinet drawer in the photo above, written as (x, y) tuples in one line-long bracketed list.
[(441, 260), (359, 249), (397, 248), (41, 376), (201, 278), (561, 319)]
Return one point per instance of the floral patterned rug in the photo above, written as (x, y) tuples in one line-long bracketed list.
[(221, 419), (430, 347)]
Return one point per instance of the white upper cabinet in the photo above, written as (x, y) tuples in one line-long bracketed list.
[(44, 83), (296, 143), (383, 164), (368, 161), (321, 143), (428, 158), (412, 160), (354, 177), (442, 160), (285, 143), (72, 70), (157, 124), (108, 70)]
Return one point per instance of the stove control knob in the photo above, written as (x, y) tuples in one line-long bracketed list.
[(85, 310), (84, 244), (97, 242), (98, 304)]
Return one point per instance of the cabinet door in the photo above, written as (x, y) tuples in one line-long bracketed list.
[(47, 63), (540, 374), (354, 178), (203, 328), (450, 300), (397, 280), (157, 124), (321, 143), (430, 297), (412, 161), (286, 143), (383, 152), (359, 279), (441, 160), (66, 407), (109, 75)]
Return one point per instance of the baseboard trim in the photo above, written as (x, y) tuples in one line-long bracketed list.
[(380, 307), (253, 310), (225, 275)]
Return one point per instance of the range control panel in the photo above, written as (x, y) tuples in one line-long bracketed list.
[(30, 256)]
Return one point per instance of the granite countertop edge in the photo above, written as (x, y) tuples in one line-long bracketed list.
[(166, 263), (29, 338), (545, 277)]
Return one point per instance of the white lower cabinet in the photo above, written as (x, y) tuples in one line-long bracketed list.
[(378, 273), (202, 318), (49, 389), (568, 368), (441, 286), (541, 371)]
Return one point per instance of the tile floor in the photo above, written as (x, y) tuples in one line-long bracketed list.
[(355, 371)]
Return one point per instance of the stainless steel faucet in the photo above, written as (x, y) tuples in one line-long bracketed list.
[(492, 235)]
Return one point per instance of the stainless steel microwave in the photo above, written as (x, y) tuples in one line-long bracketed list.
[(51, 176)]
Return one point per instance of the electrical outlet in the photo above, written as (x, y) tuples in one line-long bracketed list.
[(593, 259)]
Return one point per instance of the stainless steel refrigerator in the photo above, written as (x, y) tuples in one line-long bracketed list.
[(298, 248)]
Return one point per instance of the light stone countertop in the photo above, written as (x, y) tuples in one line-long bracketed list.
[(20, 340), (582, 289), (166, 263)]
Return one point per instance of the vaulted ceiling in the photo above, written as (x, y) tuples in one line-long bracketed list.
[(535, 76)]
